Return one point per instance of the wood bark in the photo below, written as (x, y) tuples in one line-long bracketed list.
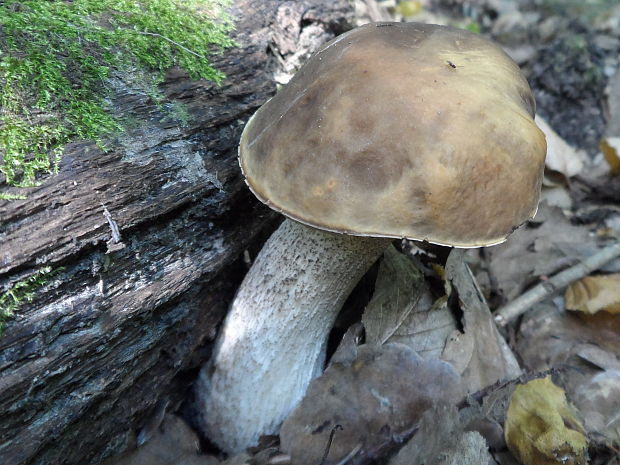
[(122, 326)]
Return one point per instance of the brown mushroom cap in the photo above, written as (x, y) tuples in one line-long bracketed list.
[(401, 130)]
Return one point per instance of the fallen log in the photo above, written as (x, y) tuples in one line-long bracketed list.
[(131, 253)]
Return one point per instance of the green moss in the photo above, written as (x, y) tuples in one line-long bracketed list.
[(55, 58), (473, 27), (6, 196), (176, 111), (22, 292)]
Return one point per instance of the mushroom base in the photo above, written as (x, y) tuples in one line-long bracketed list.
[(273, 340)]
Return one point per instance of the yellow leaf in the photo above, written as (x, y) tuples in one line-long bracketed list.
[(594, 293), (610, 147), (440, 270), (541, 428), (409, 8)]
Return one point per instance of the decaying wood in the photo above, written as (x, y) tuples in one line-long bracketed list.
[(146, 239)]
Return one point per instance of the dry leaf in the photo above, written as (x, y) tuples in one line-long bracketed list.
[(376, 399), (459, 350), (598, 401), (402, 309), (596, 356), (587, 343), (610, 147), (587, 347), (594, 293), (556, 196), (540, 248), (408, 8), (583, 345), (173, 442), (442, 440), (561, 157), (346, 352), (487, 414), (541, 428), (480, 352)]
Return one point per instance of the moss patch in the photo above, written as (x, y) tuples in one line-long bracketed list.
[(55, 58), (23, 292)]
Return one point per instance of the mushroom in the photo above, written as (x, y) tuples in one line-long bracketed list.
[(391, 130)]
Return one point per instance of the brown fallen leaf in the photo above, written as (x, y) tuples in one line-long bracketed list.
[(479, 351), (487, 416), (610, 147), (173, 442), (610, 144), (561, 157), (594, 293), (542, 428), (442, 440), (542, 247), (586, 348), (598, 401), (369, 404), (485, 412), (581, 346), (587, 344), (403, 310)]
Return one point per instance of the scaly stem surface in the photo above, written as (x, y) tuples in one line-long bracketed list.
[(273, 341)]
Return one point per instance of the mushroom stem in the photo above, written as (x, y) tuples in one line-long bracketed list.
[(273, 340)]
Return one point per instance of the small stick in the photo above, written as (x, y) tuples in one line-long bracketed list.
[(116, 234), (350, 455), (329, 443), (543, 290), (281, 459)]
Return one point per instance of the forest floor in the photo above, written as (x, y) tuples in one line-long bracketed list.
[(562, 349)]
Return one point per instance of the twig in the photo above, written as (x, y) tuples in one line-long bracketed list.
[(350, 455), (280, 459), (485, 393), (543, 290), (115, 243), (329, 443), (116, 235), (154, 34)]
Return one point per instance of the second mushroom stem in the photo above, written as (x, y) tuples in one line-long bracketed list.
[(273, 340)]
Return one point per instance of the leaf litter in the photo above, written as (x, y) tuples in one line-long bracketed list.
[(542, 428), (579, 412), (426, 376), (375, 401)]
